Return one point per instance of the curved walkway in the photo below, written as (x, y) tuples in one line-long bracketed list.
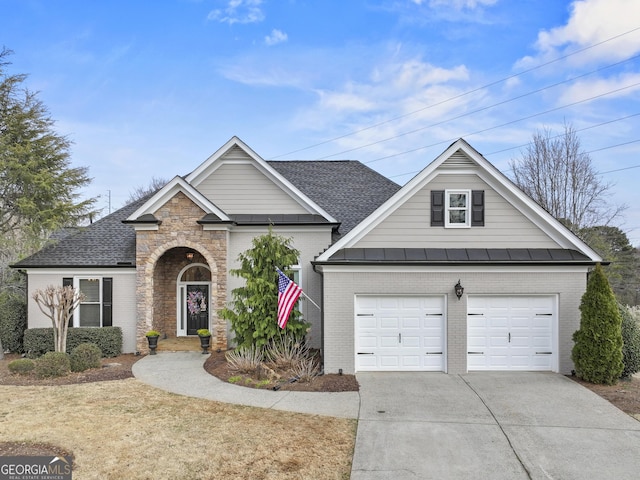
[(497, 425), (183, 373)]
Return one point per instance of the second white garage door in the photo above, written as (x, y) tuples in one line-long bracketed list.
[(399, 333), (511, 332)]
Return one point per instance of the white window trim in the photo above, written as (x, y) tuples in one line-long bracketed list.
[(467, 209), (76, 312), (297, 278)]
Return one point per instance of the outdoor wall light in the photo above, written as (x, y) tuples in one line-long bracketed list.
[(459, 290), (190, 256)]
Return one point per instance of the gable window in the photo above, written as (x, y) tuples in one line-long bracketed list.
[(96, 309), (457, 208)]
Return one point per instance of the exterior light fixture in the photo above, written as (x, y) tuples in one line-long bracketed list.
[(190, 256), (459, 290)]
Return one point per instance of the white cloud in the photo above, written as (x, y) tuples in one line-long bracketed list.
[(622, 86), (276, 36), (592, 22), (238, 11)]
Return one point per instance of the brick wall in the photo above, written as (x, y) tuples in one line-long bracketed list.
[(340, 289)]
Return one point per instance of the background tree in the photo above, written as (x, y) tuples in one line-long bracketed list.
[(58, 303), (38, 187), (140, 192), (624, 270), (597, 352), (254, 309), (559, 175)]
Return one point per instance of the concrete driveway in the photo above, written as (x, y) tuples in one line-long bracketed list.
[(490, 426)]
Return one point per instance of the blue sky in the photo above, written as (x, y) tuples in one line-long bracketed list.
[(151, 89)]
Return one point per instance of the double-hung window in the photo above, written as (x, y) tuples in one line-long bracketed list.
[(96, 308), (457, 208)]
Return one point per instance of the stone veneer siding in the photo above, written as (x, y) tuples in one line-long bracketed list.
[(178, 230)]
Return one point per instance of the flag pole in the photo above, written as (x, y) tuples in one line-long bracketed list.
[(314, 303), (303, 294)]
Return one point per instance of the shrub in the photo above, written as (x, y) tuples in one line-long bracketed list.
[(252, 311), (38, 341), (85, 356), (597, 353), (13, 321), (245, 359), (631, 341), (53, 364), (287, 350), (22, 366), (305, 370)]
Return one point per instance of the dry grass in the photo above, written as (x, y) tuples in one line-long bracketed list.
[(125, 429)]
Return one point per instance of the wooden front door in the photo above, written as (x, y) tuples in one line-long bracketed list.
[(197, 305)]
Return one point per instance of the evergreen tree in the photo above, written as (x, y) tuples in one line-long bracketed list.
[(597, 352), (39, 189), (631, 340), (254, 309)]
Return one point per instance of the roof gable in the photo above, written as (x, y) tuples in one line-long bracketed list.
[(460, 159), (166, 193), (236, 158)]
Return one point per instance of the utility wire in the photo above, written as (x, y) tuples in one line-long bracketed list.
[(466, 114), (528, 117), (456, 97), (589, 152)]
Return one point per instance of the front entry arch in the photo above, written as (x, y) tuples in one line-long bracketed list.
[(193, 299)]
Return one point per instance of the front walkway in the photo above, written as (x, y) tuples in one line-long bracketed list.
[(183, 373)]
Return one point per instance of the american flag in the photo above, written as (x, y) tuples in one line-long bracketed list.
[(288, 294)]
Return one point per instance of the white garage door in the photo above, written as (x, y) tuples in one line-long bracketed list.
[(399, 333), (511, 332)]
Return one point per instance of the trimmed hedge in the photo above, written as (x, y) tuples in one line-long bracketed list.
[(22, 366), (13, 321), (85, 356), (38, 341), (53, 364), (631, 341)]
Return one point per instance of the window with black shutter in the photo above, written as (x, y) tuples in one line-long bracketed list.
[(477, 208), (437, 208), (457, 208)]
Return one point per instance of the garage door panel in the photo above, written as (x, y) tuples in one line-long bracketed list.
[(515, 329), (409, 333)]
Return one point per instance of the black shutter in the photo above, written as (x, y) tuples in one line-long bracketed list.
[(107, 302), (68, 282), (437, 208), (477, 208)]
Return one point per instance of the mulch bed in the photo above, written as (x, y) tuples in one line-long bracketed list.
[(625, 394), (217, 366)]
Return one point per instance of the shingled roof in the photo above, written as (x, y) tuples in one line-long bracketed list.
[(347, 190)]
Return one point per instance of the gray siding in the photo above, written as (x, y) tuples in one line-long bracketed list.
[(240, 188), (124, 301), (310, 243), (409, 225), (341, 287)]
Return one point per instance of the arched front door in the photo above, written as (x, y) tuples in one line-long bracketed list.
[(194, 299)]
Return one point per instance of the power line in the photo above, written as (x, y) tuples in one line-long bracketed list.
[(466, 114), (562, 134), (528, 117), (592, 151), (456, 97)]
